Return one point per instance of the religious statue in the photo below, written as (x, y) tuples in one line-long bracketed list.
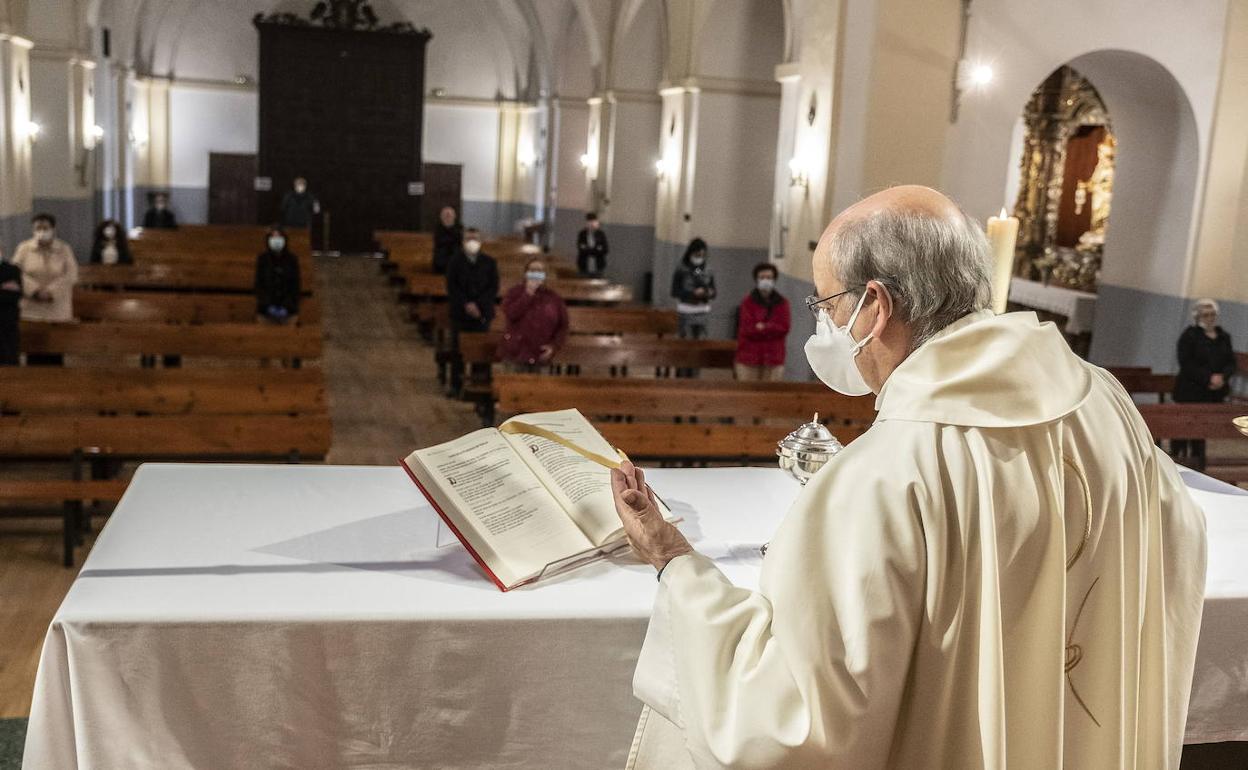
[(1099, 186)]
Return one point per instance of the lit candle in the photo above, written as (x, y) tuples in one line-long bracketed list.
[(1002, 234)]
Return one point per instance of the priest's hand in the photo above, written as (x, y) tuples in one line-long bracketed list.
[(653, 538)]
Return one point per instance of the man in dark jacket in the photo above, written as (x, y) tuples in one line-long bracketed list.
[(448, 239), (10, 313), (471, 293), (591, 248), (159, 217), (299, 205)]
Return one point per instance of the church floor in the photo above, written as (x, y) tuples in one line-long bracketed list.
[(384, 401)]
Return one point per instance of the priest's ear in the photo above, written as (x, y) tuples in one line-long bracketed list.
[(885, 307)]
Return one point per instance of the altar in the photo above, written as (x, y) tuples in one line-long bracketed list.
[(1078, 307), (300, 616)]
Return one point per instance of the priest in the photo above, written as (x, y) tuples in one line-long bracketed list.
[(1004, 571)]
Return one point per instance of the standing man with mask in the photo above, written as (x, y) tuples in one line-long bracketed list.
[(299, 205), (1004, 571), (49, 272), (591, 248), (471, 292)]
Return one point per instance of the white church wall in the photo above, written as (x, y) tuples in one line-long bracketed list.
[(1170, 70), (204, 120)]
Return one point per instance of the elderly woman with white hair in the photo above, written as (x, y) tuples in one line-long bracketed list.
[(1206, 365), (1004, 571)]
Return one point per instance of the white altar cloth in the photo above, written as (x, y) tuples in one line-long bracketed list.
[(302, 617), (1079, 307)]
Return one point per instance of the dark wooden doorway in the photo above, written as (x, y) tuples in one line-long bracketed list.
[(442, 188), (231, 189)]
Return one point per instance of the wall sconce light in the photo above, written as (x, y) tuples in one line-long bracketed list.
[(97, 132), (798, 175), (664, 167), (977, 75), (585, 160), (32, 130), (138, 138), (526, 156)]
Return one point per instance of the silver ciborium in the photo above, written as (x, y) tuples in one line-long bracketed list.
[(805, 450)]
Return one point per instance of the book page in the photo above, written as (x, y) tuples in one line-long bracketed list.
[(582, 486), (496, 501)]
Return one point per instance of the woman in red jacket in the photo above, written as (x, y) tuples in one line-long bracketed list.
[(762, 325), (537, 322)]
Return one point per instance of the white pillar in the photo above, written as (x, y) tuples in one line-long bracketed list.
[(15, 141)]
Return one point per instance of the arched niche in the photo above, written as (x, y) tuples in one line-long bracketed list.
[(1140, 310)]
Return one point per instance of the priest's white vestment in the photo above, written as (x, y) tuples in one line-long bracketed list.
[(1003, 572)]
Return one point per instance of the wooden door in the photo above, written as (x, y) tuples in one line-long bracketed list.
[(231, 189), (442, 188)]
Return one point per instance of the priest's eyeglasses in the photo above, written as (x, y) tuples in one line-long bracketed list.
[(815, 304)]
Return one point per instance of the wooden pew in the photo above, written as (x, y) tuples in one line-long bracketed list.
[(70, 494), (163, 276), (37, 389), (175, 307), (620, 352), (199, 436), (1192, 421), (426, 287), (255, 341), (652, 409), (582, 319), (1145, 382), (246, 238)]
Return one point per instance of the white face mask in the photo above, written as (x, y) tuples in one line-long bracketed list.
[(301, 188), (44, 235), (831, 351), (110, 232), (697, 261), (277, 243), (472, 248), (535, 275), (766, 284)]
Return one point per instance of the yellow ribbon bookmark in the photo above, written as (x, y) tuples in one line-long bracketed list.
[(517, 427)]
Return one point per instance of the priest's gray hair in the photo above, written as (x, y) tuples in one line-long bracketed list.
[(936, 268)]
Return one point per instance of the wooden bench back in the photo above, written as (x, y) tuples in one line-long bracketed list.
[(196, 436), (616, 351), (427, 286), (1161, 385), (252, 340), (591, 319), (176, 307), (1193, 421), (664, 399), (37, 389), (179, 276), (189, 238)]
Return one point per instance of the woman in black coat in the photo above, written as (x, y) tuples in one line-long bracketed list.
[(277, 281), (1206, 364), (110, 246)]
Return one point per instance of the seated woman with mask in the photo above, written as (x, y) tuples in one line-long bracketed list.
[(277, 281), (537, 322), (110, 246)]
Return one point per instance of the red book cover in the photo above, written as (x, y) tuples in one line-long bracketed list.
[(453, 528)]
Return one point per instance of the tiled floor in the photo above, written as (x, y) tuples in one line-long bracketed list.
[(383, 392)]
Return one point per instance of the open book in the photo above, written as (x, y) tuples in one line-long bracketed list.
[(520, 500)]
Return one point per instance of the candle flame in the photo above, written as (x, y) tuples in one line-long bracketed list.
[(1003, 214)]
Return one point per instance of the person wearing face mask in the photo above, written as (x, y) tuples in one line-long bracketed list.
[(471, 291), (278, 286), (1003, 571), (159, 216), (448, 239), (1206, 365), (591, 248), (693, 286), (10, 313), (110, 246), (762, 326), (537, 322), (298, 205)]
